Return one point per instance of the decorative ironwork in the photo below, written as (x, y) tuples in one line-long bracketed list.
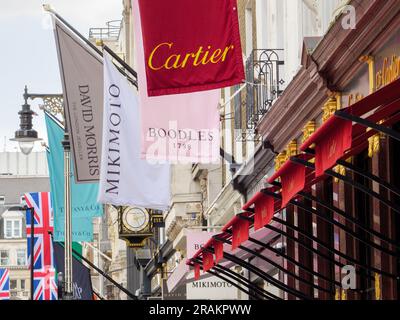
[(329, 108), (244, 135), (292, 149), (111, 32), (280, 159), (53, 105), (264, 82), (309, 129)]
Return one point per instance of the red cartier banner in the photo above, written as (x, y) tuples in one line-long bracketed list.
[(264, 211), (293, 180), (219, 251), (191, 45), (333, 145), (196, 271), (240, 232), (208, 261)]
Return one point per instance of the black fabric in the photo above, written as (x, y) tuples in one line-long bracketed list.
[(80, 274)]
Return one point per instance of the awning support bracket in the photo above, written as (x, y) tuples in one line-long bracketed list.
[(366, 123)]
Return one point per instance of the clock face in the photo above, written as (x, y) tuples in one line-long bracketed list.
[(135, 219)]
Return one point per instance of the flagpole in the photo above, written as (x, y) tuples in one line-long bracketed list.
[(68, 294), (32, 210), (127, 67)]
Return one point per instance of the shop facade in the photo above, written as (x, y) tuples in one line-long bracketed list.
[(348, 220)]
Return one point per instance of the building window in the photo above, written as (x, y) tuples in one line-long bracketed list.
[(13, 284), (21, 257), (2, 200), (8, 231), (13, 228), (22, 284), (4, 258)]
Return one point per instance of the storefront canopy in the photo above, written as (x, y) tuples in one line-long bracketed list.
[(335, 141)]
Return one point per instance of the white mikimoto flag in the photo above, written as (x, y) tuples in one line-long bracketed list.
[(125, 178)]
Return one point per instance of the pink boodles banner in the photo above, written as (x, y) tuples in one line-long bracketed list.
[(179, 128)]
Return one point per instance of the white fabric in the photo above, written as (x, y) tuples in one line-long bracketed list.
[(126, 179)]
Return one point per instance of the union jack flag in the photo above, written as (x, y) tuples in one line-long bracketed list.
[(44, 283), (4, 284)]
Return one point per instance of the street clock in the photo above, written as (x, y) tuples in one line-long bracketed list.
[(134, 225), (135, 219)]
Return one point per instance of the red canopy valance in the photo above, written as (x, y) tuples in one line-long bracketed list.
[(264, 207), (336, 135), (293, 178), (335, 139)]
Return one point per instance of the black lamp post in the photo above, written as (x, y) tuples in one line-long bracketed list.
[(26, 136)]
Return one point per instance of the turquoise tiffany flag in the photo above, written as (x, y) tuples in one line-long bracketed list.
[(83, 196)]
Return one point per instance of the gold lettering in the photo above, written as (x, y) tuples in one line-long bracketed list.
[(378, 79), (386, 72), (389, 72), (179, 61), (196, 57), (226, 52), (264, 212), (150, 62), (359, 97), (175, 64), (188, 55), (216, 55), (291, 185), (353, 98), (204, 60), (350, 101)]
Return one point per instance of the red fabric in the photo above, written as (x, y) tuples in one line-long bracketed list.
[(253, 200), (293, 180), (389, 94), (333, 146), (240, 232), (196, 271), (190, 45), (219, 251), (264, 211), (208, 261), (230, 223)]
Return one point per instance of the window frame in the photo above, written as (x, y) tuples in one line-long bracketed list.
[(22, 281), (8, 257), (16, 284), (19, 251), (14, 222)]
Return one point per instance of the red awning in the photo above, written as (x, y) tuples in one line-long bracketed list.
[(208, 261), (330, 149), (196, 271), (219, 251), (264, 208), (383, 105), (336, 136), (388, 96), (263, 235), (293, 179)]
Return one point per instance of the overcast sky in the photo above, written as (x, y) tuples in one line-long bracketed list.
[(28, 54)]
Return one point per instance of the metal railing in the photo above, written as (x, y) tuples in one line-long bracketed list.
[(111, 32), (264, 82)]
